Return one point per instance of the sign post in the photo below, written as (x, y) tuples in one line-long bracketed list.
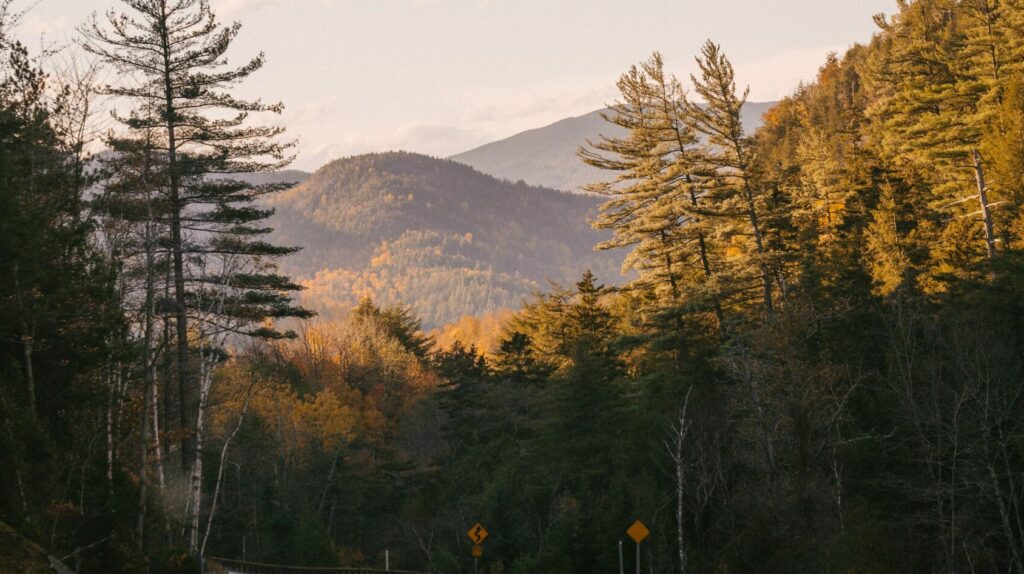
[(477, 534), (638, 532), (622, 569)]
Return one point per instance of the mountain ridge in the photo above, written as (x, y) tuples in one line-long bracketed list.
[(434, 234), (546, 156)]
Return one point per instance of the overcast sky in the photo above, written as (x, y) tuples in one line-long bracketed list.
[(443, 76)]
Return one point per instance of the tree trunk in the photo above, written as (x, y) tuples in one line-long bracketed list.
[(27, 340), (18, 480), (110, 425), (681, 350), (177, 246), (679, 509), (986, 214), (675, 451), (30, 377), (196, 482), (149, 378), (1004, 516), (766, 279), (705, 263), (220, 468), (158, 451), (168, 364), (327, 485)]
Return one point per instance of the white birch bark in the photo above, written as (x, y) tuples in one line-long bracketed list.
[(210, 339), (220, 467), (675, 445)]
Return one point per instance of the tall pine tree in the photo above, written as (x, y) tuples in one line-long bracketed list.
[(733, 193), (175, 51)]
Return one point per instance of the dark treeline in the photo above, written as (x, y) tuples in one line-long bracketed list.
[(817, 368)]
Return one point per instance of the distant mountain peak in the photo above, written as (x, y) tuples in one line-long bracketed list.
[(546, 156)]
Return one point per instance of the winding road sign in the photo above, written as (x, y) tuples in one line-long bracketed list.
[(478, 533)]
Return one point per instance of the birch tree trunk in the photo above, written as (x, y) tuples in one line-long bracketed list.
[(196, 482), (220, 466), (1004, 517), (158, 450), (675, 446), (209, 343)]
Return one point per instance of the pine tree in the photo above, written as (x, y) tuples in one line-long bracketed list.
[(581, 410), (58, 312), (178, 51), (515, 360), (656, 191), (129, 211), (810, 152), (1004, 147), (936, 78), (398, 322), (589, 325), (732, 194)]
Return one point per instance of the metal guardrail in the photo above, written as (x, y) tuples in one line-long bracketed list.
[(217, 565)]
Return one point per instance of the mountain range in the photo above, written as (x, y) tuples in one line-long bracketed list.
[(434, 234), (456, 237), (547, 156)]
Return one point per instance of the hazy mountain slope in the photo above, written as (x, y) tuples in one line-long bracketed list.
[(547, 156), (284, 176), (434, 234)]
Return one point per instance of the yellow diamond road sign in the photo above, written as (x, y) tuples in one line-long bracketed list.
[(478, 533), (638, 532)]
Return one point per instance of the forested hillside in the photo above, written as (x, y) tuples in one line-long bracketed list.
[(438, 236), (815, 366)]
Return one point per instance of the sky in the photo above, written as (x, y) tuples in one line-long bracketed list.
[(444, 76)]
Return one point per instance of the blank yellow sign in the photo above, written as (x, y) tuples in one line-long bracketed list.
[(638, 532), (478, 551)]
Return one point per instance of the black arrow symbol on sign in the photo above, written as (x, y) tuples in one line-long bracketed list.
[(476, 533)]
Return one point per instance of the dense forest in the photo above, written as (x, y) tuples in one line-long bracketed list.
[(815, 365)]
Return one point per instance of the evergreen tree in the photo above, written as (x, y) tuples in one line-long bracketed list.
[(1004, 147), (515, 360), (398, 322), (58, 315), (581, 410), (656, 191), (937, 79), (733, 194), (175, 51)]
